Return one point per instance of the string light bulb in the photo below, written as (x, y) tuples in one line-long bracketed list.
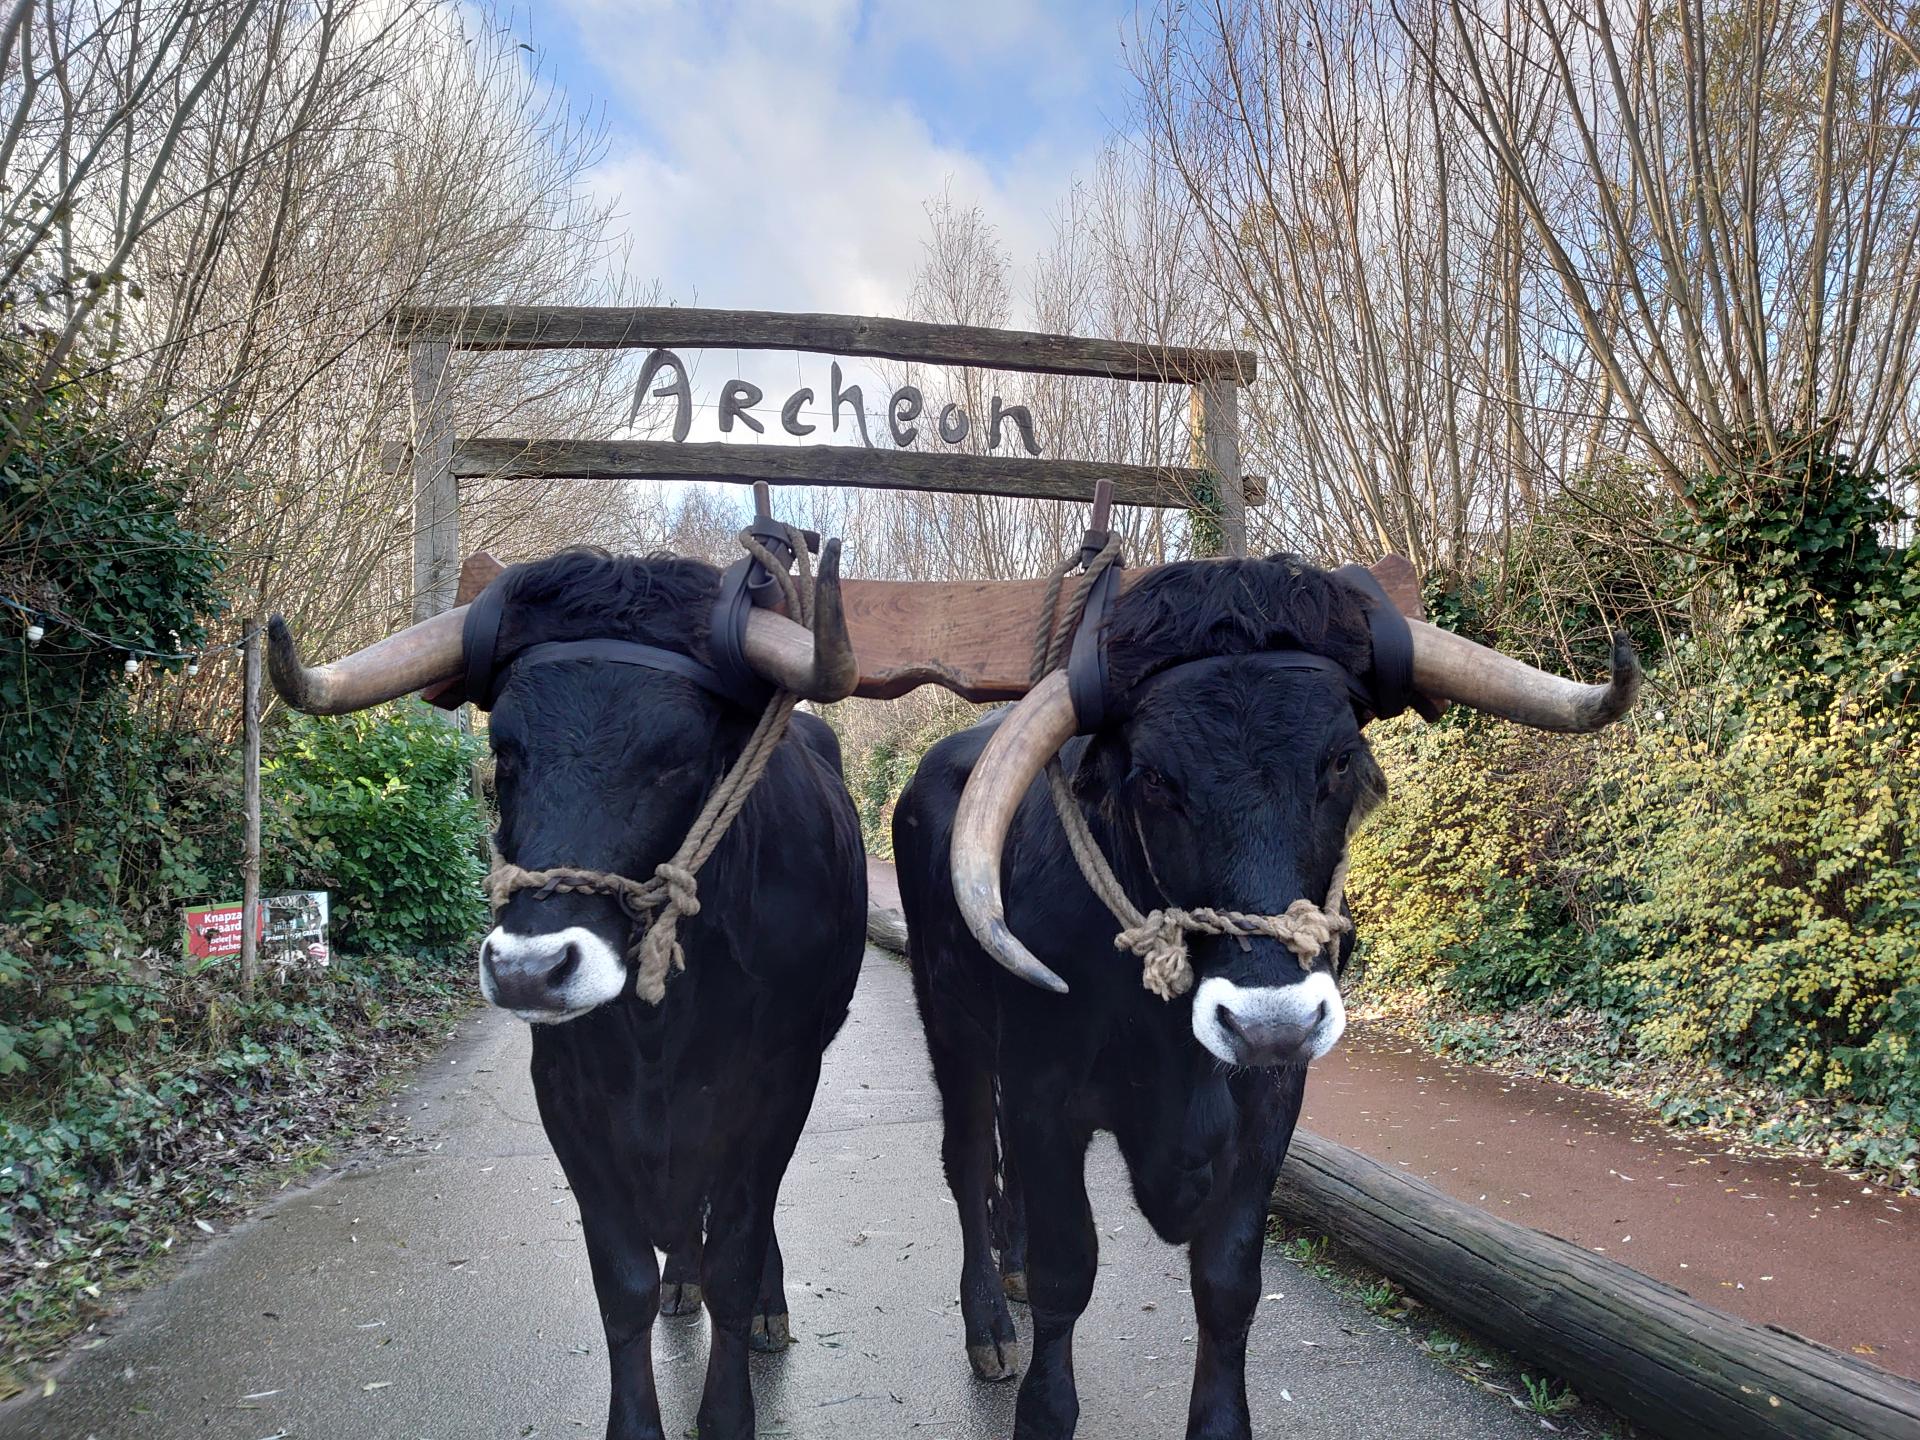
[(132, 667), (36, 633), (193, 667)]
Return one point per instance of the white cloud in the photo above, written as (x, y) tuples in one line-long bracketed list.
[(759, 160)]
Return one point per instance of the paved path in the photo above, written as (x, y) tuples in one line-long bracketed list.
[(446, 1295), (1781, 1242)]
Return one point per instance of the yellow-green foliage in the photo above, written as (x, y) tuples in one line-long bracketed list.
[(1754, 901)]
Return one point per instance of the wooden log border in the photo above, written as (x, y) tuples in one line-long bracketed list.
[(600, 327), (1661, 1358), (1173, 486)]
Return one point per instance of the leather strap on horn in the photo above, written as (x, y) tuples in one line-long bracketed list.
[(486, 670), (1389, 684)]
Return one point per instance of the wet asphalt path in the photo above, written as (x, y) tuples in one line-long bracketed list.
[(445, 1294)]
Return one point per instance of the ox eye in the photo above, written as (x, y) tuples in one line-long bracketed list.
[(1156, 785), (1343, 762)]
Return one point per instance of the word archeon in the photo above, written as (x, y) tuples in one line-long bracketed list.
[(904, 406)]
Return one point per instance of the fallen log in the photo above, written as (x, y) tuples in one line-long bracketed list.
[(887, 927), (1660, 1358)]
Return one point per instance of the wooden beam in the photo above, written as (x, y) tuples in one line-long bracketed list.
[(1215, 410), (1016, 475), (598, 327), (1661, 1358), (974, 637), (250, 804), (436, 490)]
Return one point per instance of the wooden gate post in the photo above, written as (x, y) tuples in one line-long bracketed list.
[(1214, 418), (436, 493), (250, 855)]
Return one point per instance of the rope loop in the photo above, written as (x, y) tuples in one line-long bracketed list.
[(656, 906)]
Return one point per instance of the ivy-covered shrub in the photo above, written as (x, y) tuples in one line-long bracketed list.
[(92, 539), (376, 807), (1752, 900)]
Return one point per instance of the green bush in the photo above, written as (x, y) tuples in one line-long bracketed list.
[(376, 807), (1752, 900), (92, 536)]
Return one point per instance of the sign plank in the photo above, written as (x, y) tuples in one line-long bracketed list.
[(1171, 486), (602, 327)]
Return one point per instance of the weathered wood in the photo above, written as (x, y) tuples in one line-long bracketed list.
[(887, 927), (1215, 413), (1662, 1359), (974, 637), (250, 803), (1045, 479), (436, 489), (594, 327)]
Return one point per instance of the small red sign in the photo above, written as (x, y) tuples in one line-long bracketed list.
[(215, 930)]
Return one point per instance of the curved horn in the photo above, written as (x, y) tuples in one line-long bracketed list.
[(421, 655), (1030, 735), (1451, 667), (818, 666)]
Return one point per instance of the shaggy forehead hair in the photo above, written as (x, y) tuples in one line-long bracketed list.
[(661, 600), (1195, 609)]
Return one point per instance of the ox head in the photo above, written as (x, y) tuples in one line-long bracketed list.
[(608, 729), (1230, 770)]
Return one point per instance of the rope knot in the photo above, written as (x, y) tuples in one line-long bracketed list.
[(1160, 941)]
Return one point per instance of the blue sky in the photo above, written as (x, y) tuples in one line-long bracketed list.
[(777, 154)]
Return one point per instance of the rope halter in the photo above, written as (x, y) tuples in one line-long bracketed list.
[(656, 906), (1159, 937)]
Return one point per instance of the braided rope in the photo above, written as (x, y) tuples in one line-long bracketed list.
[(1159, 937), (657, 905)]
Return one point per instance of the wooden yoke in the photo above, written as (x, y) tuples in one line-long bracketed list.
[(975, 637)]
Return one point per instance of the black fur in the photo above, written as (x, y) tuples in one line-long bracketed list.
[(1229, 783), (665, 1116), (1232, 607)]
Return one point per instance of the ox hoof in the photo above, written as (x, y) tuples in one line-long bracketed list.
[(1014, 1282), (770, 1333), (679, 1299), (997, 1361)]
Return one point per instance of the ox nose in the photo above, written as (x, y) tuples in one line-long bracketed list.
[(1263, 1041), (533, 977), (552, 976)]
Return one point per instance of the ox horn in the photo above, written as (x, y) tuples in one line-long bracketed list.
[(818, 666), (1445, 666), (1451, 667), (1030, 735), (424, 654)]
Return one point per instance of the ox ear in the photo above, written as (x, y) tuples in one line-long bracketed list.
[(477, 571)]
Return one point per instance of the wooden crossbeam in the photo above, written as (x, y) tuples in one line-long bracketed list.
[(974, 637), (602, 327), (1172, 486)]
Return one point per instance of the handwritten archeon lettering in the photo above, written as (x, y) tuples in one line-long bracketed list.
[(905, 405)]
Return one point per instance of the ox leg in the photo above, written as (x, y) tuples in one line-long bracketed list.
[(966, 1154), (1064, 1251), (771, 1329), (1010, 1224), (680, 1284), (1224, 1258), (626, 1282), (739, 1233)]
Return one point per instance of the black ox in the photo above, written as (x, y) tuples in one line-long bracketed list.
[(680, 1118), (1229, 772)]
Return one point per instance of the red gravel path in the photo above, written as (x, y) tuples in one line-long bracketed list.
[(1776, 1241)]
